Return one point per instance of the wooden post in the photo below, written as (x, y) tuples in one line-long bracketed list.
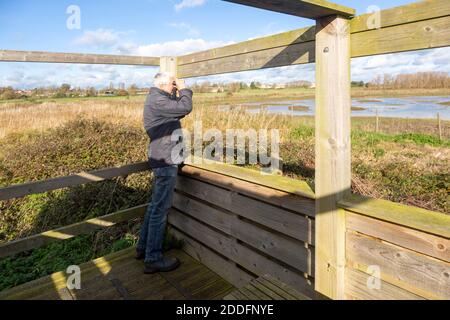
[(169, 64), (439, 126), (333, 167), (378, 123)]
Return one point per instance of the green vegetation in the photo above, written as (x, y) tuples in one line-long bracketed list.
[(44, 261), (371, 139), (80, 145), (410, 168)]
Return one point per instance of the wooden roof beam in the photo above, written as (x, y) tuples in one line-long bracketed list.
[(59, 57), (312, 9)]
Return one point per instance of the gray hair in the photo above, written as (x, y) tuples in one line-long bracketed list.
[(162, 78)]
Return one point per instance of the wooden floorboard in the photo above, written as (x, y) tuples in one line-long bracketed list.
[(120, 277), (267, 288)]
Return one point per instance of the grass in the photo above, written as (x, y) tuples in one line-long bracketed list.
[(76, 146), (371, 138), (57, 256), (405, 163)]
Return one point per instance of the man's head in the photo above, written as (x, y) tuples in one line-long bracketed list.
[(165, 81)]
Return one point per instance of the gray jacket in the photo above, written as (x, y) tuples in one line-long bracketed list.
[(162, 114)]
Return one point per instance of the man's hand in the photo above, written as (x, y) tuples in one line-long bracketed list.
[(180, 84)]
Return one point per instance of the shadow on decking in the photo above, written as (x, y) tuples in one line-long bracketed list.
[(119, 277)]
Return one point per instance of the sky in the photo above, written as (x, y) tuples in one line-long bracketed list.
[(165, 28)]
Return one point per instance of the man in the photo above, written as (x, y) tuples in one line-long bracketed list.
[(162, 113)]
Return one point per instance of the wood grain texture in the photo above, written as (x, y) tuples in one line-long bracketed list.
[(333, 164), (411, 239), (409, 13), (282, 199), (290, 251), (57, 57), (432, 222), (425, 34), (169, 65), (18, 191), (356, 288), (284, 39), (312, 9), (68, 232), (409, 270), (414, 26), (119, 276), (216, 262), (278, 219), (266, 288), (298, 53), (285, 184), (244, 256)]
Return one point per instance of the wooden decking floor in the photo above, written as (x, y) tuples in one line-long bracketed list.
[(119, 277)]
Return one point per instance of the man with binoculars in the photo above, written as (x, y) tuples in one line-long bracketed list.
[(162, 113)]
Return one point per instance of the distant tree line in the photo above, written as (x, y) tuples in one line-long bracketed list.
[(67, 91), (232, 87), (419, 80)]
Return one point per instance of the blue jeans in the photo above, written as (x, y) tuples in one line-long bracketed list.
[(154, 226)]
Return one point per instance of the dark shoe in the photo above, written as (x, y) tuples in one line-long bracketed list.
[(163, 265), (140, 254)]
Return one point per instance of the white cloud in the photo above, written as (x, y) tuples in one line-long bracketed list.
[(117, 42), (185, 27), (365, 69), (100, 38), (174, 48), (189, 4)]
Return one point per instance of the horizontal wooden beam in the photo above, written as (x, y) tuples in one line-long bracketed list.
[(419, 241), (426, 34), (244, 256), (265, 193), (22, 190), (312, 9), (413, 12), (56, 57), (356, 288), (68, 232), (407, 269), (297, 187), (412, 217), (274, 41), (417, 26)]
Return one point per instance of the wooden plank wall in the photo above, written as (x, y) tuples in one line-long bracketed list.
[(413, 264), (239, 230)]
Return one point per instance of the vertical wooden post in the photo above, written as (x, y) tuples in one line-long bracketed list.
[(377, 124), (439, 126), (333, 167), (169, 64)]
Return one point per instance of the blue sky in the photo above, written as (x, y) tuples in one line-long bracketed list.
[(164, 27)]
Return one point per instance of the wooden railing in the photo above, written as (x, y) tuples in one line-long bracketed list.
[(409, 245), (67, 232), (242, 225), (394, 251)]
